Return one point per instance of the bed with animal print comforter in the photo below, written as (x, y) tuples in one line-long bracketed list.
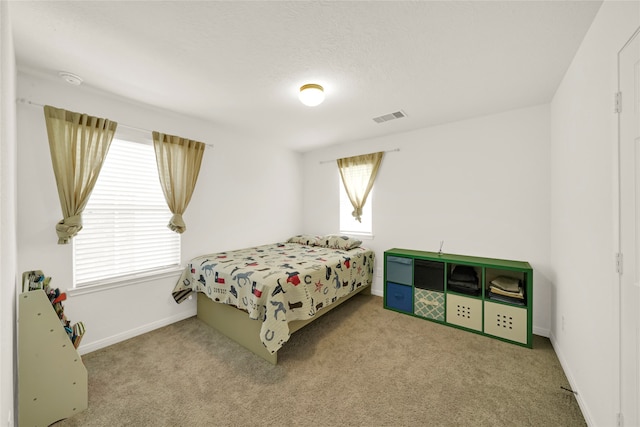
[(278, 283)]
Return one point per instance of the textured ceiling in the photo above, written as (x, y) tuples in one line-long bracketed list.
[(240, 64)]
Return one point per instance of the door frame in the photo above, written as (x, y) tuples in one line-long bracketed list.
[(617, 392)]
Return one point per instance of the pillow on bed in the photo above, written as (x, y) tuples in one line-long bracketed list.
[(339, 242), (305, 239)]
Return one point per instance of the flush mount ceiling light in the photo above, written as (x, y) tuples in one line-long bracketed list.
[(70, 78), (311, 94)]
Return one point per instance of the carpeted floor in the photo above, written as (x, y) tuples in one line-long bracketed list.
[(360, 365)]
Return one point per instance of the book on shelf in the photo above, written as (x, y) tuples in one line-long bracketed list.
[(36, 280)]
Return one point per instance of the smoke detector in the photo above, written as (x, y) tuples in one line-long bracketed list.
[(70, 78)]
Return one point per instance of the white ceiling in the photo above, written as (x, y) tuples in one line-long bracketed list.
[(240, 64)]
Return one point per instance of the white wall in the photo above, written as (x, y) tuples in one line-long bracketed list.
[(247, 193), (8, 258), (481, 185), (536, 184), (583, 214)]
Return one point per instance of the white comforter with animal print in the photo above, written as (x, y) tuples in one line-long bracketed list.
[(278, 283)]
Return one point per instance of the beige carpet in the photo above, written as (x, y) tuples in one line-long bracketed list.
[(360, 365)]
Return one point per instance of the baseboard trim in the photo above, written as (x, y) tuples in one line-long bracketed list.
[(572, 383), (540, 331), (114, 339)]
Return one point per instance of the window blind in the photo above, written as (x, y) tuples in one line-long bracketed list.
[(125, 221)]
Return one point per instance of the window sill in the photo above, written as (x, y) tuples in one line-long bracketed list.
[(362, 236), (107, 284)]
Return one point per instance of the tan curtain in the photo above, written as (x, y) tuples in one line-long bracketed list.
[(79, 144), (358, 174), (178, 162)]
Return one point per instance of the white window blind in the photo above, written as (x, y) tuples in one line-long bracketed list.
[(125, 222), (348, 224)]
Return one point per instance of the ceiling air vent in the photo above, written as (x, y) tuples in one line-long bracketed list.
[(391, 116)]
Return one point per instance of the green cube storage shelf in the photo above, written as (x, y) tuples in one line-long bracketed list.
[(415, 283)]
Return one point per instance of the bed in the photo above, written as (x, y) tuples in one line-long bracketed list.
[(259, 296)]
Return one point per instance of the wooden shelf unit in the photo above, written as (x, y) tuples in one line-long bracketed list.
[(415, 283), (52, 380)]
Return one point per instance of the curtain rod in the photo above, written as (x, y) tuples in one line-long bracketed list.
[(331, 161), (35, 104)]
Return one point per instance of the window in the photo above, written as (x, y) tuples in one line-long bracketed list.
[(125, 221), (348, 224)]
